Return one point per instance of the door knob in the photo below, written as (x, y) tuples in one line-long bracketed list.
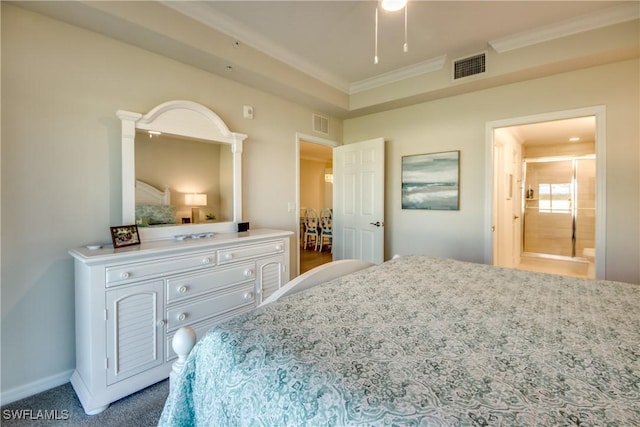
[(377, 223), (516, 217)]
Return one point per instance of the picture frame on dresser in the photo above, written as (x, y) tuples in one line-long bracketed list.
[(125, 235)]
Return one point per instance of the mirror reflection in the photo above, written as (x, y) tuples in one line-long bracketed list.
[(201, 177), (197, 174)]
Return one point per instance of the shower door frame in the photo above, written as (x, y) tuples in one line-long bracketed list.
[(574, 198), (599, 112)]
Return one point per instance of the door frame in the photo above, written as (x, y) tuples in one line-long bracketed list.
[(314, 140), (599, 111)]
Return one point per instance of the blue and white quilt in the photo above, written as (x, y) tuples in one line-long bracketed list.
[(427, 342)]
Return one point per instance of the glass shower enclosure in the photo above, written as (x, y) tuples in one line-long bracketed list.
[(559, 208)]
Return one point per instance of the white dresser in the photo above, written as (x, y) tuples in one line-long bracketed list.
[(130, 301)]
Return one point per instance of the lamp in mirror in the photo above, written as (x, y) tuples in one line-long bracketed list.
[(195, 201), (393, 5)]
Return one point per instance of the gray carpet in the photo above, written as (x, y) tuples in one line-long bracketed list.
[(139, 409)]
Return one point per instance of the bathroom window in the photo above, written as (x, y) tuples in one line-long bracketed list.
[(554, 198)]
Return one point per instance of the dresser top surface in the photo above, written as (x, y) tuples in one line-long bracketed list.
[(107, 253)]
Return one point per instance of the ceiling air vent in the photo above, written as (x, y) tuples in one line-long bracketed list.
[(470, 66), (320, 124)]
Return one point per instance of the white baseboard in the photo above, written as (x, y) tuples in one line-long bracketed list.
[(35, 387)]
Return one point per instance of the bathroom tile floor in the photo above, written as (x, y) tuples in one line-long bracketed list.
[(575, 268)]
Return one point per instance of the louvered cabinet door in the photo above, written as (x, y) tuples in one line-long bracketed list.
[(134, 330), (271, 275)]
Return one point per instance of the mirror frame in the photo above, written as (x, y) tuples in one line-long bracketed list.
[(178, 118)]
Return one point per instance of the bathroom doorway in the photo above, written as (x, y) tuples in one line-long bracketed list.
[(548, 205)]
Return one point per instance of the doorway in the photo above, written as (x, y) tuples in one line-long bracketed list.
[(315, 198), (548, 207)]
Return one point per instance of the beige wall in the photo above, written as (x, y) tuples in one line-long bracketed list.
[(61, 88), (458, 123), (314, 191)]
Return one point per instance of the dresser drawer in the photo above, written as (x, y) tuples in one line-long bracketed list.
[(238, 253), (201, 328), (204, 308), (191, 285), (120, 274)]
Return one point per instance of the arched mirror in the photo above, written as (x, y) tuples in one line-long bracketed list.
[(181, 171)]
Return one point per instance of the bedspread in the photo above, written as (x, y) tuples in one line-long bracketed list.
[(423, 341)]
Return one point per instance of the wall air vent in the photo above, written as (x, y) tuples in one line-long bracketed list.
[(320, 124), (470, 66)]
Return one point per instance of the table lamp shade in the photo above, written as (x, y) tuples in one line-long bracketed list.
[(195, 199)]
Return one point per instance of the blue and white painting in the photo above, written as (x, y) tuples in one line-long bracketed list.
[(431, 181)]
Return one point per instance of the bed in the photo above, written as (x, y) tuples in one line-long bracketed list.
[(422, 341), (153, 207)]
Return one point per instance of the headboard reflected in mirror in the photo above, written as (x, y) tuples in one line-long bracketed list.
[(149, 195), (179, 119), (153, 207)]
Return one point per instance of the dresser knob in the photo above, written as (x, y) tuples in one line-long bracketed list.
[(248, 296), (206, 260), (248, 273), (182, 316), (161, 323), (278, 247), (182, 289), (124, 275), (229, 256)]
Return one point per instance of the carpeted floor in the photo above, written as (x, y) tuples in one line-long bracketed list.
[(60, 407)]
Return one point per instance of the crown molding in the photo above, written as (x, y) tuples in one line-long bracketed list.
[(428, 66), (580, 24)]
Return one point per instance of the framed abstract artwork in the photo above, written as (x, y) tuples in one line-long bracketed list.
[(431, 181)]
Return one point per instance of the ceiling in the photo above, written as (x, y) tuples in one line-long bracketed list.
[(553, 132), (334, 40), (320, 53), (556, 131), (316, 152)]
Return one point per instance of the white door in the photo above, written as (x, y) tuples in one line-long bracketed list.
[(507, 202), (358, 194)]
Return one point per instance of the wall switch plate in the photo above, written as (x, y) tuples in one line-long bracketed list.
[(247, 112)]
